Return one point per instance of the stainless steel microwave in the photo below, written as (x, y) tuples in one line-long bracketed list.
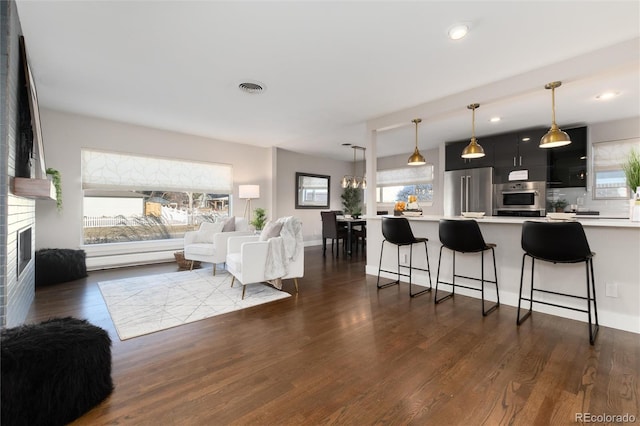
[(520, 198)]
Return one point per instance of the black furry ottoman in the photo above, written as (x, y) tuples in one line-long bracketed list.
[(53, 372), (55, 266)]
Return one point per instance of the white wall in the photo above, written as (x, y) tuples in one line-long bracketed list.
[(287, 164), (65, 134)]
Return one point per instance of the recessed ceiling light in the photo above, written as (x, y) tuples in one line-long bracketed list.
[(526, 139), (458, 31), (605, 96), (494, 119)]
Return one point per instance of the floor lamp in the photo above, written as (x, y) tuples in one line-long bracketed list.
[(248, 192)]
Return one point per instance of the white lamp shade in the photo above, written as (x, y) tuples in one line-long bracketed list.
[(249, 191)]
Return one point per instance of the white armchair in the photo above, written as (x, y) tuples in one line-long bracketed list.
[(209, 243), (248, 257)]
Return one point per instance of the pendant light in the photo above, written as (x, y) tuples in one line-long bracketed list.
[(473, 150), (416, 158), (554, 137), (354, 181)]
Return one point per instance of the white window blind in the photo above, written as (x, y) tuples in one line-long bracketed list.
[(110, 170), (405, 176), (608, 157)]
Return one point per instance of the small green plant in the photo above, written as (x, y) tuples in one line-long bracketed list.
[(559, 205), (260, 218), (351, 198), (57, 183), (632, 170)]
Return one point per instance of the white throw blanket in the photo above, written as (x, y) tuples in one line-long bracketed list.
[(283, 250)]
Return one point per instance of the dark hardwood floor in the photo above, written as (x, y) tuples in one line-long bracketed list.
[(343, 352)]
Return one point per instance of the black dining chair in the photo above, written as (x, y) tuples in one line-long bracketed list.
[(558, 242), (464, 236), (330, 229), (397, 231), (360, 235)]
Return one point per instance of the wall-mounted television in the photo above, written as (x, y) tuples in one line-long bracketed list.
[(29, 148)]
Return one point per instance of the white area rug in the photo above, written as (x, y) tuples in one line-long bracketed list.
[(143, 305)]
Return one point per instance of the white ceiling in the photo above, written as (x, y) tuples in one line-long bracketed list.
[(332, 68)]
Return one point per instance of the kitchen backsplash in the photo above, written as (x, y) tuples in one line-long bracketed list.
[(584, 201)]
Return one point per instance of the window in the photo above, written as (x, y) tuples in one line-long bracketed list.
[(397, 184), (609, 180), (137, 198)]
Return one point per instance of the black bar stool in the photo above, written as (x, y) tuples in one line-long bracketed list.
[(558, 242), (396, 230), (464, 236)]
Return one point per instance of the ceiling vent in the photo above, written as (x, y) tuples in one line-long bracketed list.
[(250, 87)]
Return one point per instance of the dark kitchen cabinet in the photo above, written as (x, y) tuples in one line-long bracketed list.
[(560, 167), (568, 164), (520, 151), (454, 161)]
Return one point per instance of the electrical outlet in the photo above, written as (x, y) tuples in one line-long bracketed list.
[(611, 290)]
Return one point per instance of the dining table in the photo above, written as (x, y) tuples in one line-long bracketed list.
[(350, 223)]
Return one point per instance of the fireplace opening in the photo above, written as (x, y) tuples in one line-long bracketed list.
[(24, 248)]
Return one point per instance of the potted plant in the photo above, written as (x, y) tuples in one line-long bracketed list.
[(351, 198), (559, 205), (57, 183), (260, 218), (632, 170)]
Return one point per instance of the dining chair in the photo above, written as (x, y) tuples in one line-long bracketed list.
[(330, 229)]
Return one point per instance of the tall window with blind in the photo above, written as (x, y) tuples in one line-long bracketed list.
[(138, 198), (397, 184), (609, 181)]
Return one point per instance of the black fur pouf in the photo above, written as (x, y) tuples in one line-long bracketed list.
[(55, 266), (53, 372)]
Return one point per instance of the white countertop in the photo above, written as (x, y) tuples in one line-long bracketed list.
[(586, 221)]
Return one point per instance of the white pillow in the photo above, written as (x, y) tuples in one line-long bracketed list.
[(242, 224), (229, 224), (207, 231), (270, 230)]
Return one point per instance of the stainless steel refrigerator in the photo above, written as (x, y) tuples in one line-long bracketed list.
[(468, 190)]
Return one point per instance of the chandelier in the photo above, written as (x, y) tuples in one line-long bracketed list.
[(354, 181)]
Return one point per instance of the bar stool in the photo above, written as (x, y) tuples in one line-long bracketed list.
[(558, 242), (396, 230), (464, 236)]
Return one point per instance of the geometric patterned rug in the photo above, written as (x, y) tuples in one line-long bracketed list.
[(151, 303)]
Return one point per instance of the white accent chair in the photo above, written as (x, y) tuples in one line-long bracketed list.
[(209, 243), (247, 258)]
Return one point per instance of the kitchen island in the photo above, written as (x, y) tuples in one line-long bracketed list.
[(616, 243)]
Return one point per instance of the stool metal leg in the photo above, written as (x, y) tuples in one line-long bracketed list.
[(428, 289), (380, 269), (495, 306), (450, 295), (592, 332), (519, 319)]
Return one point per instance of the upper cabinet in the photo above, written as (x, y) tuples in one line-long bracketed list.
[(568, 164), (561, 167), (520, 151), (454, 161)]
